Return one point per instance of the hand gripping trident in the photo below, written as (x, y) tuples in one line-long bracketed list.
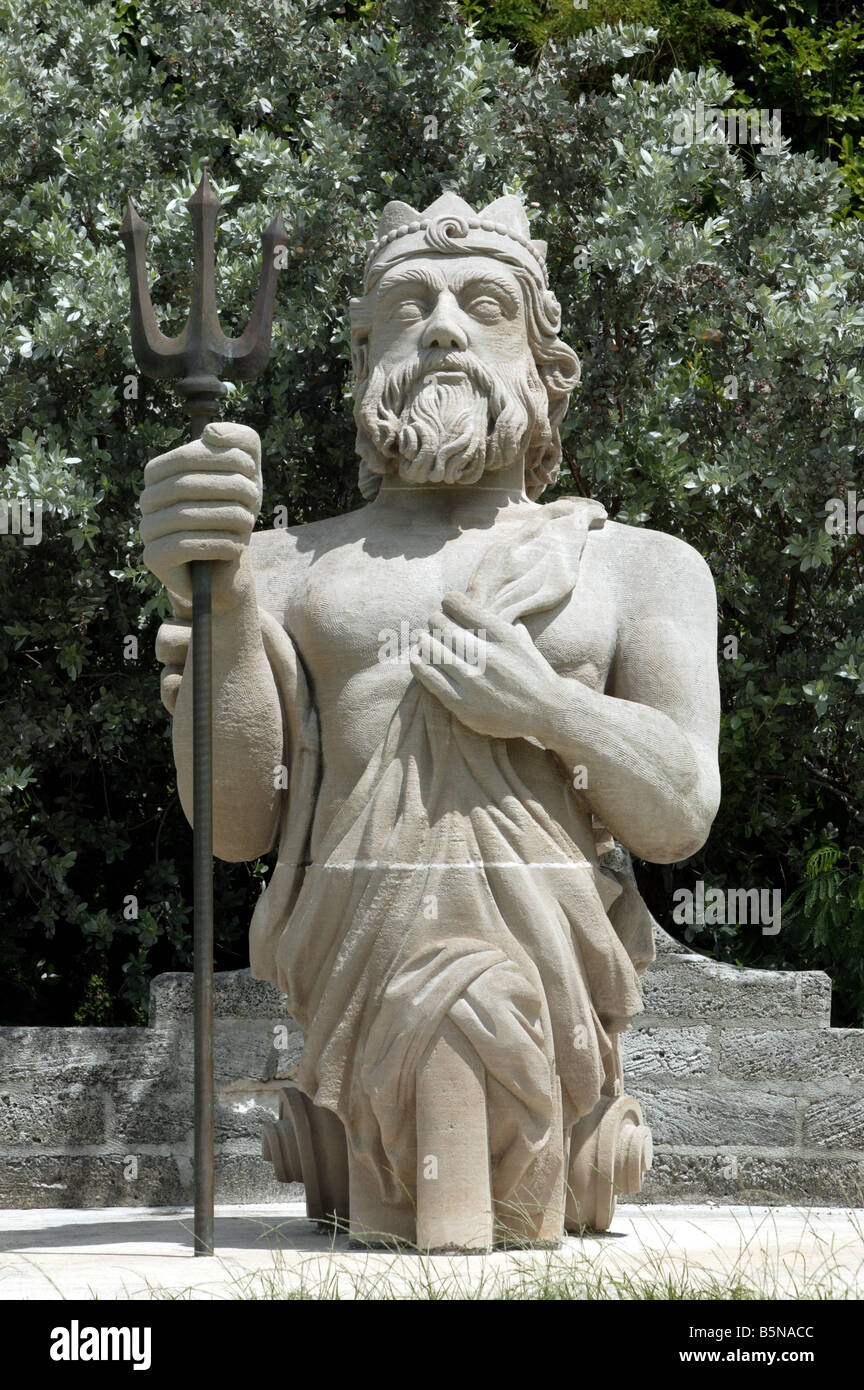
[(201, 356)]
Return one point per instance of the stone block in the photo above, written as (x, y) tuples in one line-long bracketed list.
[(665, 1052), (84, 1056), (754, 1180), (152, 1118), (236, 995), (248, 1178), (695, 989), (698, 1117), (820, 1055), (99, 1180), (246, 1049), (816, 997), (52, 1117), (837, 1122)]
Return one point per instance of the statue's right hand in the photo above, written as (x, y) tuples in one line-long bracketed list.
[(200, 502)]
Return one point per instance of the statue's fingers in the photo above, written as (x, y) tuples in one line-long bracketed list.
[(169, 686), (222, 486), (168, 554), (199, 457), (172, 643), (203, 516), (226, 434), (452, 645), (174, 461), (434, 679), (472, 614)]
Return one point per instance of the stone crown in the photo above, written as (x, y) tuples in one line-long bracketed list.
[(451, 225)]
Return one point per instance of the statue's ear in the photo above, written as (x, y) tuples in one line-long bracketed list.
[(360, 312), (395, 215)]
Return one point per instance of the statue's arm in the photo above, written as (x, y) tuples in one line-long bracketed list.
[(248, 738), (649, 742), (200, 502)]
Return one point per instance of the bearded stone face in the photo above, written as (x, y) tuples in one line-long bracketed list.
[(448, 418), (448, 384)]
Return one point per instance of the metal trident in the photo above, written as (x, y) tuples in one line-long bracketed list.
[(201, 356)]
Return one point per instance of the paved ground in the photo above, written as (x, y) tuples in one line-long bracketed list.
[(273, 1251)]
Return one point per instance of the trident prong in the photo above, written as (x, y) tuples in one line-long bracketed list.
[(201, 356)]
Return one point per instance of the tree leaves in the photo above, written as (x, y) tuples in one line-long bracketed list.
[(720, 323)]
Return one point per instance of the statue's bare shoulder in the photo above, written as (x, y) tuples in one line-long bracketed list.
[(652, 574), (283, 555), (655, 556)]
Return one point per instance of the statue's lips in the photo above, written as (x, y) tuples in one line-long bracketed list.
[(447, 373)]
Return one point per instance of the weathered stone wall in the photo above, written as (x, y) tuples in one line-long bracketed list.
[(750, 1093), (103, 1116)]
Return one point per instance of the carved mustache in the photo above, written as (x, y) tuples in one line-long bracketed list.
[(402, 380)]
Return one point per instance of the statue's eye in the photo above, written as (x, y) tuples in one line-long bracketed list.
[(484, 307), (410, 310)]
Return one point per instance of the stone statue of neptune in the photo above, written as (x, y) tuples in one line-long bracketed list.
[(443, 709)]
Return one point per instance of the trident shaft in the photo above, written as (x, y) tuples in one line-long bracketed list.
[(201, 357)]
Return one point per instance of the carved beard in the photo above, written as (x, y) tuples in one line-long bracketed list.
[(449, 430)]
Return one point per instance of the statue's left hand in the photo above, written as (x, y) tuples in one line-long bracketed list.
[(486, 671)]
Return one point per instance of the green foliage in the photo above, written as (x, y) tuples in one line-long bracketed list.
[(824, 918), (96, 1009), (703, 266), (687, 31), (804, 58)]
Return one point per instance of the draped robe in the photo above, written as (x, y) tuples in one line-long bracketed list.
[(446, 888)]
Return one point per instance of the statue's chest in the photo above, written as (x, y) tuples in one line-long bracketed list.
[(352, 607), (350, 601)]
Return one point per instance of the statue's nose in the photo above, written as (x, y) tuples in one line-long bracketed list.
[(444, 329)]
